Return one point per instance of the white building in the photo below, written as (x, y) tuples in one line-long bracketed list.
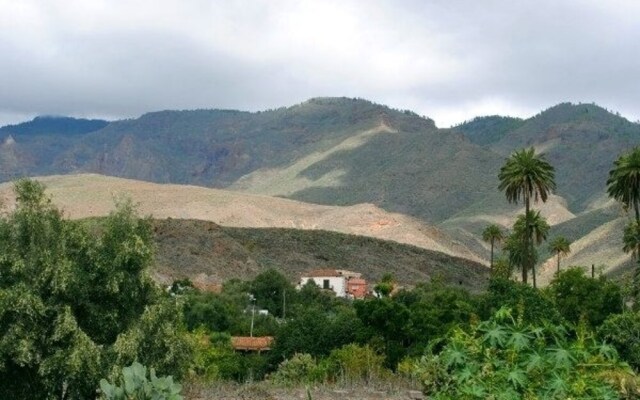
[(327, 279)]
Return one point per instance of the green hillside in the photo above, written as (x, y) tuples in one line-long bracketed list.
[(488, 130), (580, 140)]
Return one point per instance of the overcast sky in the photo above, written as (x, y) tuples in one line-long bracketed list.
[(449, 60)]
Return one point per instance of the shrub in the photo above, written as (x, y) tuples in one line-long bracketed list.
[(623, 332), (354, 363), (301, 368), (580, 297)]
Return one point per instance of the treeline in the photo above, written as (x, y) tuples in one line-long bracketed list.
[(397, 330)]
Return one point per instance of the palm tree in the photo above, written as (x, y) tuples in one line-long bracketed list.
[(631, 240), (533, 228), (515, 247), (526, 176), (561, 246), (492, 234), (624, 185), (624, 181)]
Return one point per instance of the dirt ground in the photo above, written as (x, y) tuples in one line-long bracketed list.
[(263, 391)]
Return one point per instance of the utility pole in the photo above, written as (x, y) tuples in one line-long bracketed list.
[(284, 303), (253, 313)]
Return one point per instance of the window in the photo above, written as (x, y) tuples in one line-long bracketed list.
[(325, 284)]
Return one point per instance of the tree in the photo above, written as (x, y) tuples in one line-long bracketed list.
[(272, 290), (68, 296), (514, 245), (581, 298), (385, 286), (561, 247), (526, 176), (624, 181), (492, 234), (623, 332), (532, 229)]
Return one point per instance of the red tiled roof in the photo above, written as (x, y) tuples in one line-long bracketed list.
[(319, 273), (260, 343)]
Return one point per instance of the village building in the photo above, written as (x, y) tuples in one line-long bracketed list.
[(343, 283)]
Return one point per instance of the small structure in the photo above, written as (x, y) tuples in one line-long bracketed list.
[(342, 282), (248, 343)]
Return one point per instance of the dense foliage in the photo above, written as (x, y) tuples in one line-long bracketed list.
[(506, 358), (76, 306)]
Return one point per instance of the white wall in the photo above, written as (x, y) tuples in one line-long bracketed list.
[(337, 283)]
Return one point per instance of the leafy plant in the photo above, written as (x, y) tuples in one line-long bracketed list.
[(134, 385), (505, 358)]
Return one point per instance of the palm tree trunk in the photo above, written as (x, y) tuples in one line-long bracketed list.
[(491, 265), (558, 267), (635, 207), (636, 281), (527, 235), (533, 275)]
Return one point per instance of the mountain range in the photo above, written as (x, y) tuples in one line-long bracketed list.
[(340, 151)]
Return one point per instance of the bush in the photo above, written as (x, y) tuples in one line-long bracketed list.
[(530, 303), (214, 357), (134, 385), (299, 369), (578, 297), (354, 364), (623, 332)]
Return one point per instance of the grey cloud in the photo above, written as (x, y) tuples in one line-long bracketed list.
[(444, 59)]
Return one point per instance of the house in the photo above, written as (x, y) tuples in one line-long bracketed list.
[(247, 343), (342, 282)]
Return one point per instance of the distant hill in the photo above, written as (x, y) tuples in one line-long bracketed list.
[(206, 252), (580, 140), (30, 148)]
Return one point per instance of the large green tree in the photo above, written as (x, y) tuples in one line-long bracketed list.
[(581, 298), (561, 247), (525, 177), (492, 234), (624, 181), (74, 304)]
